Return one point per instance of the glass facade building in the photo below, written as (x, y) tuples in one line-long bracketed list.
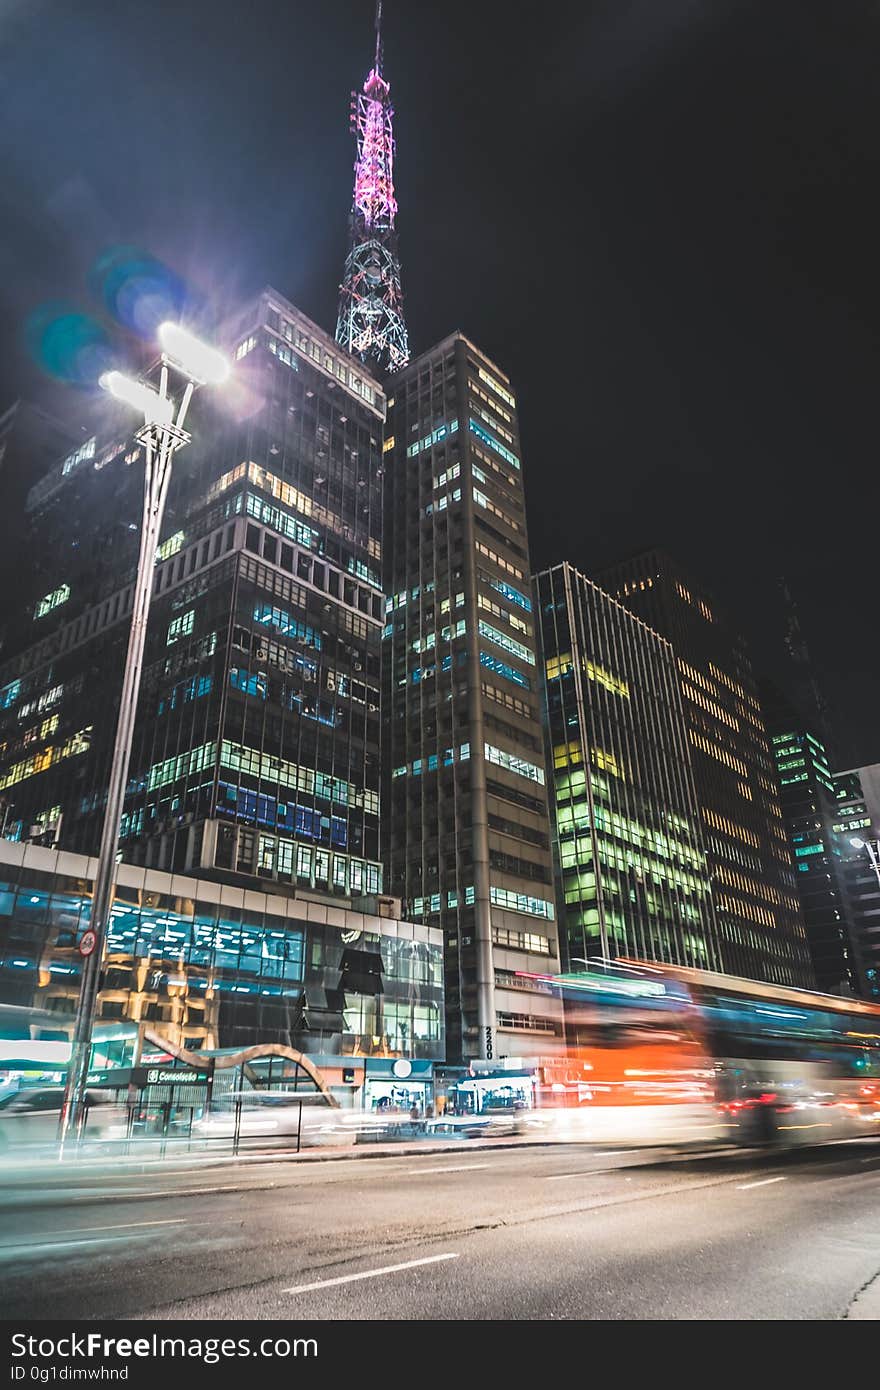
[(465, 825), (256, 751), (857, 817), (633, 877), (207, 966), (760, 924), (817, 826)]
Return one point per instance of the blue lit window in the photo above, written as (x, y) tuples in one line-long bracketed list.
[(492, 663), (493, 443), (9, 694), (248, 684), (286, 624), (513, 595)]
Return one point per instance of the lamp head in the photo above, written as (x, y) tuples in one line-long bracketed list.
[(198, 360), (156, 409)]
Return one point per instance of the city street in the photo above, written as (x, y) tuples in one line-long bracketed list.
[(543, 1232)]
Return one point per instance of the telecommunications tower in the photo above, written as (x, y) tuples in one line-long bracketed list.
[(371, 323)]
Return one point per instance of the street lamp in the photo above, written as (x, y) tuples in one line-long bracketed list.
[(162, 435), (873, 848)]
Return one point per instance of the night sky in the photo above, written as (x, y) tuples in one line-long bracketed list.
[(658, 215)]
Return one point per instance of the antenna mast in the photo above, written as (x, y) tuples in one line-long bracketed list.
[(371, 325)]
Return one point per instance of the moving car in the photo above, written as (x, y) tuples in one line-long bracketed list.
[(275, 1116), (29, 1118)]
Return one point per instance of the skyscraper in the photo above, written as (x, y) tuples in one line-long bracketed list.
[(465, 826), (627, 832), (857, 827), (371, 324), (760, 925), (257, 744), (250, 836), (810, 799)]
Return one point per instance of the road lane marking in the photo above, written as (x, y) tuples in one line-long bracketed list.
[(120, 1226), (746, 1186), (875, 1158), (26, 1249), (451, 1168), (125, 1195), (369, 1274)]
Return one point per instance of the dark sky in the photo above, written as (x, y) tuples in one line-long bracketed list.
[(659, 215)]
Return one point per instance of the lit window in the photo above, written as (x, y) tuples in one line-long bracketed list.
[(180, 627), (53, 600)]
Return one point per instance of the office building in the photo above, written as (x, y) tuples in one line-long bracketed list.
[(760, 924), (628, 839), (857, 826), (465, 824), (195, 965), (256, 752), (809, 796)]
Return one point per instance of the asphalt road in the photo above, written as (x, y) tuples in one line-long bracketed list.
[(557, 1232)]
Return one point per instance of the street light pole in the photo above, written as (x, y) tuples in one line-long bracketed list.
[(873, 849), (161, 436)]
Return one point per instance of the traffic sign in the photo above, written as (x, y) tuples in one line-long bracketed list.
[(88, 942)]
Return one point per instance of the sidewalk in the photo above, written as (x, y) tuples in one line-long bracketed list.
[(49, 1173)]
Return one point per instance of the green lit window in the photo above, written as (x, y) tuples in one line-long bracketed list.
[(180, 627), (51, 601)]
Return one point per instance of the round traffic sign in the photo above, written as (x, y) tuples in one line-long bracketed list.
[(88, 942)]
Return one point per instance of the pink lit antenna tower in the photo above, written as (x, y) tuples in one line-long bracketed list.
[(371, 323)]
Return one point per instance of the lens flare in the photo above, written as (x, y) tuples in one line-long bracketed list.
[(68, 344), (138, 290)]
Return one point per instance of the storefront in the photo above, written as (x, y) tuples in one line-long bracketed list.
[(492, 1093), (396, 1086)]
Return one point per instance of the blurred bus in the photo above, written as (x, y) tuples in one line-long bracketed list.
[(669, 1054)]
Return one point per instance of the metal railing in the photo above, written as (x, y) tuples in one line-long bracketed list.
[(167, 1123)]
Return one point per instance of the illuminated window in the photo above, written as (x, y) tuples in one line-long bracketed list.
[(171, 546), (513, 595), (607, 762), (9, 694), (496, 387), (434, 437), (286, 624), (511, 763), (499, 560), (85, 451), (521, 902), (483, 501), (77, 743), (180, 627), (493, 443), (493, 663), (604, 678), (509, 644), (51, 601)]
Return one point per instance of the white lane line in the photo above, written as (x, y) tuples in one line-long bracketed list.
[(369, 1274), (29, 1249), (120, 1226), (450, 1168), (875, 1158), (125, 1195), (746, 1186), (37, 1243), (560, 1177)]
